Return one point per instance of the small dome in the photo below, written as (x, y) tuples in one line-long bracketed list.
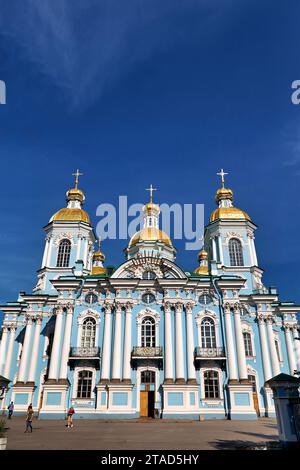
[(150, 234), (71, 214), (202, 254), (96, 270), (231, 213), (224, 193), (98, 255), (75, 194), (203, 270), (151, 207)]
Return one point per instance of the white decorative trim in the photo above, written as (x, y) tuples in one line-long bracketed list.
[(210, 314), (80, 319), (63, 236), (138, 385), (75, 384), (202, 397), (247, 328), (147, 312), (230, 235)]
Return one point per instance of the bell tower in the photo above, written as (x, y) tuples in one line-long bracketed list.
[(229, 238), (69, 241)]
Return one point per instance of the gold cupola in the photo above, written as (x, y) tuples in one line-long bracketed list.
[(203, 263), (151, 240), (98, 259), (73, 212), (224, 199)]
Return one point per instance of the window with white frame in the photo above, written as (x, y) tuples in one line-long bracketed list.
[(248, 343), (235, 252), (148, 332), (211, 384), (147, 377), (208, 333), (88, 333), (84, 384), (63, 256)]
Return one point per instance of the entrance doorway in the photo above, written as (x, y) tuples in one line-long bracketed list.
[(147, 404), (252, 379)]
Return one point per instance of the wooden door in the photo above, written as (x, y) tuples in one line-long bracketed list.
[(252, 379), (144, 404)]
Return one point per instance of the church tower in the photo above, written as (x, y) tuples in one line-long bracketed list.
[(229, 238), (151, 241), (69, 241)]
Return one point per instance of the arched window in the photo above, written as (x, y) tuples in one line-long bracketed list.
[(248, 344), (208, 333), (63, 256), (148, 298), (236, 252), (88, 334), (148, 333), (211, 384), (84, 386), (148, 377)]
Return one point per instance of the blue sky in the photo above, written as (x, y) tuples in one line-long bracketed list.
[(133, 93)]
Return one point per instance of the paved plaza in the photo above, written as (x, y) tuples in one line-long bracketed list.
[(140, 435)]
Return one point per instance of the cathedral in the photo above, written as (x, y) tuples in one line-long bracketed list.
[(147, 339)]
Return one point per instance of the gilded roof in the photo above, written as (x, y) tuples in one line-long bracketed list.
[(68, 214), (231, 213), (150, 234)]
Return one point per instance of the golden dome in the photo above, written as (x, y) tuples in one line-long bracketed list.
[(150, 234), (224, 193), (99, 255), (202, 270), (202, 254), (75, 194), (151, 206), (231, 213), (67, 214)]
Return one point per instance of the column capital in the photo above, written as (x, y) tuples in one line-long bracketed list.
[(107, 308), (237, 308), (118, 307), (270, 320), (226, 307), (28, 319), (128, 307), (38, 319), (189, 307), (261, 319), (167, 307), (178, 307)]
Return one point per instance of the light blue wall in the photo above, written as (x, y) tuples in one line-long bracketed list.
[(53, 398), (175, 399), (21, 398), (242, 399), (120, 398)]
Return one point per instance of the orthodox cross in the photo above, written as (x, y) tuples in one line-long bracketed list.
[(151, 189), (77, 174), (222, 174)]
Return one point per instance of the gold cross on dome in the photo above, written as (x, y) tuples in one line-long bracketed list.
[(77, 174), (222, 174), (99, 243), (151, 189)]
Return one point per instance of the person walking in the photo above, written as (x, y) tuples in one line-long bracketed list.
[(29, 417), (10, 409), (70, 414)]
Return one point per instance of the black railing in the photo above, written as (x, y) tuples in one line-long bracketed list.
[(85, 352), (147, 351), (209, 352)]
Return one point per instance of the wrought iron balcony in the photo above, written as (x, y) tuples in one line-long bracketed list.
[(147, 352), (209, 353), (85, 353)]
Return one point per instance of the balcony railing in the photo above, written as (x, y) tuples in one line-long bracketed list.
[(207, 353), (143, 352), (85, 352)]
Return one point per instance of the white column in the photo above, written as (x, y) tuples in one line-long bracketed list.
[(232, 369), (169, 374), (191, 376), (264, 348), (240, 347), (63, 374), (53, 371), (10, 351), (214, 247), (78, 247), (179, 356), (127, 345), (105, 369), (252, 263), (116, 371), (220, 249), (289, 346), (48, 261), (297, 345), (274, 356), (35, 349), (254, 251), (25, 351), (45, 253), (85, 253), (3, 347)]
